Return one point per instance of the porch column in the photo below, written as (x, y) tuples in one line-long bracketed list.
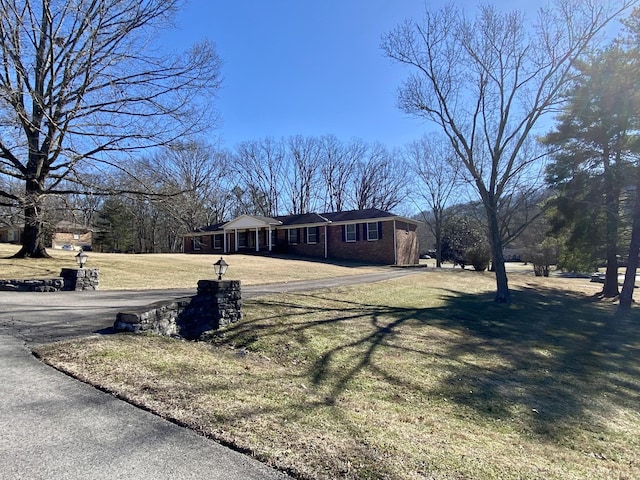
[(269, 240), (224, 241), (257, 241), (235, 234)]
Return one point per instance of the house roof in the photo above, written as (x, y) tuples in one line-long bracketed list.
[(352, 215), (302, 219), (65, 226), (210, 228), (251, 221), (254, 221)]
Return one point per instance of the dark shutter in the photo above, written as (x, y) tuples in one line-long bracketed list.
[(344, 233), (306, 238), (358, 233), (317, 234), (379, 230)]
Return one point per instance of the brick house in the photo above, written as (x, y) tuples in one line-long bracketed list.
[(65, 233), (11, 234), (369, 236), (69, 233)]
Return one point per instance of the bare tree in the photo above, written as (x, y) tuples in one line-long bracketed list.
[(337, 165), (192, 178), (379, 179), (260, 166), (303, 172), (82, 86), (487, 81), (436, 168)]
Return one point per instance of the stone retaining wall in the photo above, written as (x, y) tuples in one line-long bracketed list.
[(70, 279), (42, 285), (217, 303)]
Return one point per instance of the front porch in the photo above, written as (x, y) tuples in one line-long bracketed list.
[(249, 233)]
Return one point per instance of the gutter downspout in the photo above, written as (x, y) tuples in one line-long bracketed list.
[(395, 244), (326, 248)]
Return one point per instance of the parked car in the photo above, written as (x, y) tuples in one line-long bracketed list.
[(66, 246)]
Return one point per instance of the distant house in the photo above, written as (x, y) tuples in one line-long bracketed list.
[(369, 236), (11, 234), (71, 234), (66, 234)]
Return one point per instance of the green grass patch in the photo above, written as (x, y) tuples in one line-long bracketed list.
[(413, 378)]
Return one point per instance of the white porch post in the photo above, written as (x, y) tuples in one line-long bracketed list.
[(257, 241), (235, 235), (269, 240), (224, 241)]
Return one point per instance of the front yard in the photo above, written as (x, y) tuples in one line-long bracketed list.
[(171, 270), (413, 378)]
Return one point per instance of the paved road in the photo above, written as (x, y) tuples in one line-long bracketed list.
[(54, 427)]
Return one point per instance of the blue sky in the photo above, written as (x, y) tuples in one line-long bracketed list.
[(307, 67)]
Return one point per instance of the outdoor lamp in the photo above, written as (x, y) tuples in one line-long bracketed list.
[(81, 258), (220, 268)]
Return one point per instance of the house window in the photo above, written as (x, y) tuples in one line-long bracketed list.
[(312, 235), (293, 236), (76, 236), (196, 244), (242, 239), (217, 242), (350, 232), (372, 231)]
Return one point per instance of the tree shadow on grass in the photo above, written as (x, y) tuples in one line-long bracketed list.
[(560, 358), (551, 356)]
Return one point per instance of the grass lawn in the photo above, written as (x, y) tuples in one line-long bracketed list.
[(171, 270), (422, 377)]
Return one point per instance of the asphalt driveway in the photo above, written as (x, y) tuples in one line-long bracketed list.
[(56, 427)]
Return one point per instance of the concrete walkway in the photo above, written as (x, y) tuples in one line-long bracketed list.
[(56, 427)]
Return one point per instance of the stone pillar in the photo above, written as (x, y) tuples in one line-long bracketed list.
[(76, 279), (218, 303)]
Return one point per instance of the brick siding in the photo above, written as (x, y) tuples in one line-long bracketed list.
[(380, 251)]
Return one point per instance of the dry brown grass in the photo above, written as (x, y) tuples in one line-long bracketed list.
[(413, 378), (171, 270)]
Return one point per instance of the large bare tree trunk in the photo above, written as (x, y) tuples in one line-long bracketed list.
[(610, 288), (628, 286), (33, 238), (503, 295)]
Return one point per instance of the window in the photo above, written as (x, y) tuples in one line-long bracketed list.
[(293, 236), (242, 239), (350, 232), (372, 231), (312, 235), (217, 242), (76, 236), (196, 244)]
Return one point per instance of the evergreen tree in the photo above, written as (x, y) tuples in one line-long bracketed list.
[(593, 140)]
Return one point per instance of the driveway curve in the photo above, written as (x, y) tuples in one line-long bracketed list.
[(56, 427)]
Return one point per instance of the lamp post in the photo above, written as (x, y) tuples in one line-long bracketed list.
[(81, 258), (220, 268)]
